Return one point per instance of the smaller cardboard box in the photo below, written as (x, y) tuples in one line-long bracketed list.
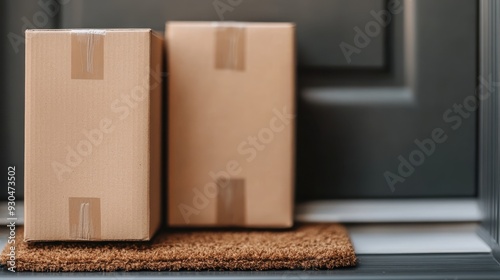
[(92, 134), (231, 124)]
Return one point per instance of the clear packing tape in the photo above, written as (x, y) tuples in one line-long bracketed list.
[(230, 46), (87, 62), (87, 54), (85, 218), (231, 202)]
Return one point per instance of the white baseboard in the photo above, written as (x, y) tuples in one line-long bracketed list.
[(435, 238), (389, 211)]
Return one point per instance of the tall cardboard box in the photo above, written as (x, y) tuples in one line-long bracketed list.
[(231, 124), (93, 128)]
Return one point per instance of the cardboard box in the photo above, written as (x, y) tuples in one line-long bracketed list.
[(231, 124), (93, 128)]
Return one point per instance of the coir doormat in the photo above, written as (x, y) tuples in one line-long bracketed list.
[(306, 246)]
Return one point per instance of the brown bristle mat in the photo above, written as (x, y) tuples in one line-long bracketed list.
[(306, 246)]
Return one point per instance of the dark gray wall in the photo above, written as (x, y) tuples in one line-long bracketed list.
[(353, 126), (355, 118), (3, 98), (15, 17)]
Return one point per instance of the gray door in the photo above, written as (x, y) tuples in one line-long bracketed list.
[(358, 130)]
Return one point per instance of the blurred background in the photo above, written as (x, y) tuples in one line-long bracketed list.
[(373, 77)]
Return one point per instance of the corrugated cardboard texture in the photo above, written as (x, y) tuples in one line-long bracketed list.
[(214, 109), (94, 138)]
